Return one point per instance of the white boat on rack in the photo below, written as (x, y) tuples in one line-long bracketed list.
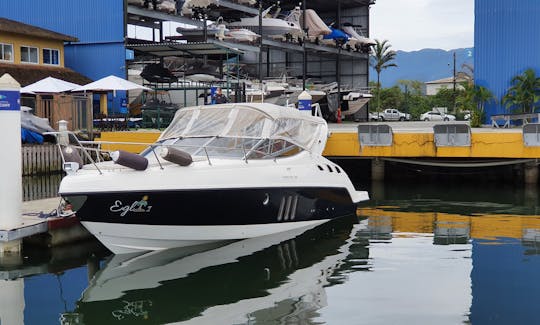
[(272, 27), (220, 172)]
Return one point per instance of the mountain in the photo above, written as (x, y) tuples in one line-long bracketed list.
[(424, 65)]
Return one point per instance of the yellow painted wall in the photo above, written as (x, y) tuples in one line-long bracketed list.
[(132, 137), (483, 145), (22, 40)]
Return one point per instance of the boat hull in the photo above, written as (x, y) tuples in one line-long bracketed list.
[(132, 238), (131, 221)]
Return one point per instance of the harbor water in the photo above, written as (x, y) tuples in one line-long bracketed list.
[(415, 254)]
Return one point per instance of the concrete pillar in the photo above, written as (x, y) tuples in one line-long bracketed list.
[(531, 196), (377, 169), (377, 190), (12, 302), (103, 104), (531, 173), (11, 171)]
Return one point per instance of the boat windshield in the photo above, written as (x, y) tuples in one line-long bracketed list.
[(228, 147), (242, 127)]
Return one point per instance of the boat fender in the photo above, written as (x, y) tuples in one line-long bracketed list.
[(71, 154), (176, 156), (128, 159)]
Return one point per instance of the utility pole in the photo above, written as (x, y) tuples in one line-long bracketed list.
[(454, 84)]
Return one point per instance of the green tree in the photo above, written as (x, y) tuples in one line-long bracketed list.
[(381, 59), (444, 98), (524, 93), (409, 88), (391, 97)]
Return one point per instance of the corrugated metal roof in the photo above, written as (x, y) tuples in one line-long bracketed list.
[(15, 27), (185, 49), (507, 42)]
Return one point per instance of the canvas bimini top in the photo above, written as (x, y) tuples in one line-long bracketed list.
[(249, 121)]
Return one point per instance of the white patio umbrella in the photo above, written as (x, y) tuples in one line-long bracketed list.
[(49, 85), (110, 83)]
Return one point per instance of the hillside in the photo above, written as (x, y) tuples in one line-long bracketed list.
[(424, 65)]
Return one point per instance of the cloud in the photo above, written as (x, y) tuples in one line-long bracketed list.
[(417, 24)]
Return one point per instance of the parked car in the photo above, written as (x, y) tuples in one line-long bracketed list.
[(392, 114), (437, 116), (374, 116)]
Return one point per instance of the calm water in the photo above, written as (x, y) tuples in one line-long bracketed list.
[(417, 254)]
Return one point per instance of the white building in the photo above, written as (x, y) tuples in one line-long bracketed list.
[(432, 87)]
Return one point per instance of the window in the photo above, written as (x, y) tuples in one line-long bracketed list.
[(6, 52), (50, 56), (29, 54)]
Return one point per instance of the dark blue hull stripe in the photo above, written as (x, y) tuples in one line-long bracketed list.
[(214, 207)]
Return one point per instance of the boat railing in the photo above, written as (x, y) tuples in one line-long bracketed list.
[(94, 151), (68, 139)]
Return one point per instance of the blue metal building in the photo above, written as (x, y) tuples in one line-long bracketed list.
[(506, 43), (98, 24)]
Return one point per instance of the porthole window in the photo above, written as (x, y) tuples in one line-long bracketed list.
[(320, 167), (337, 169), (329, 168)]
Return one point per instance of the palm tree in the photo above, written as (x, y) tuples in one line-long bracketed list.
[(524, 92), (380, 60), (482, 95)]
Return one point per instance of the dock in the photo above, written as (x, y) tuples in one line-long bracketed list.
[(408, 139), (410, 142), (40, 229)]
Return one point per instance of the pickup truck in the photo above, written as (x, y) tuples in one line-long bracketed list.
[(391, 114)]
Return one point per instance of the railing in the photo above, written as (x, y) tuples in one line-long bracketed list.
[(507, 118), (40, 159), (95, 153)]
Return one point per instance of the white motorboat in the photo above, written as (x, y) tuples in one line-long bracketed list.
[(315, 26), (272, 27), (242, 35), (353, 101), (189, 5), (360, 42), (227, 284), (241, 171)]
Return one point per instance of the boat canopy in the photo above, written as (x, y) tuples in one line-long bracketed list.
[(246, 120)]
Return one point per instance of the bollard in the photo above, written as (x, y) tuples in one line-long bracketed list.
[(63, 137), (11, 171), (304, 103)]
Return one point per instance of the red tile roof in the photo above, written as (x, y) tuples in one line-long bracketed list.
[(15, 27)]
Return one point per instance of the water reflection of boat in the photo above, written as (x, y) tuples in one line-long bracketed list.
[(280, 276)]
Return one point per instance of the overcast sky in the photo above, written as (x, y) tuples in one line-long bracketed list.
[(417, 24)]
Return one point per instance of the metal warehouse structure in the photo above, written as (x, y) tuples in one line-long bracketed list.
[(507, 43), (101, 27)]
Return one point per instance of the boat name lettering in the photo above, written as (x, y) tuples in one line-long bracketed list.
[(137, 206)]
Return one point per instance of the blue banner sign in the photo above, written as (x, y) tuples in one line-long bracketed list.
[(10, 100), (304, 105)]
